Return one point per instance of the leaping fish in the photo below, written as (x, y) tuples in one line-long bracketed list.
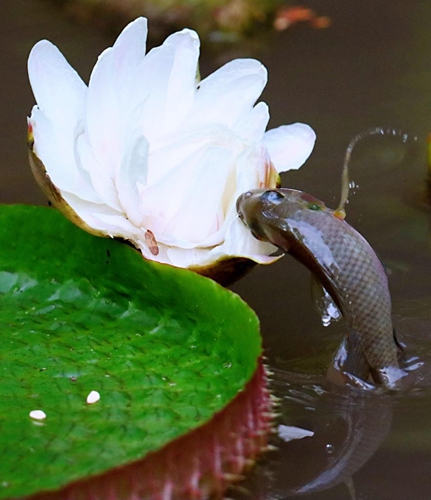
[(343, 262)]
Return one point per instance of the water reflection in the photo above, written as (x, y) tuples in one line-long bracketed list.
[(344, 425), (349, 425)]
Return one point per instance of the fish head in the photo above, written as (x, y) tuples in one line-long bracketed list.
[(265, 211), (255, 208)]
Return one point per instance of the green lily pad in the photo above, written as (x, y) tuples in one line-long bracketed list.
[(164, 347)]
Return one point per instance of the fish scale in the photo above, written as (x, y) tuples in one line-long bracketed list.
[(358, 278), (344, 263)]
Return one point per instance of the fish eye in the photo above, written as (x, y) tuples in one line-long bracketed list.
[(273, 195)]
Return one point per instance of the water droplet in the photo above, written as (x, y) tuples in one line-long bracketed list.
[(328, 310), (329, 449)]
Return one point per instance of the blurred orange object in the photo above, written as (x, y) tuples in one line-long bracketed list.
[(288, 16), (321, 22)]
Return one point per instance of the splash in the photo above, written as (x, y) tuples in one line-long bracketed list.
[(346, 184)]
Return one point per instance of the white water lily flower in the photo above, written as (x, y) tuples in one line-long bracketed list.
[(150, 154)]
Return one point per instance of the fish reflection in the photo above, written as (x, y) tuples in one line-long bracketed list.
[(348, 429), (342, 428)]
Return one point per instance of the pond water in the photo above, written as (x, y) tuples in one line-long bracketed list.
[(370, 68)]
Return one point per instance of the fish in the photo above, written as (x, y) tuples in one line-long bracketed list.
[(346, 266)]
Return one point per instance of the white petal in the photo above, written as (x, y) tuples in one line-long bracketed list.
[(240, 242), (129, 50), (202, 203), (250, 172), (162, 200), (54, 146), (127, 54), (102, 218), (289, 146), (103, 183), (109, 96), (185, 257), (104, 121), (117, 225), (133, 171), (182, 81), (183, 207), (172, 152), (252, 166), (230, 91), (252, 125), (59, 91), (165, 84)]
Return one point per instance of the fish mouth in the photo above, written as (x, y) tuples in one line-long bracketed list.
[(240, 201), (270, 195)]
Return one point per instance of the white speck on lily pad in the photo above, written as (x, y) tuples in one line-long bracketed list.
[(37, 414), (93, 397), (289, 432)]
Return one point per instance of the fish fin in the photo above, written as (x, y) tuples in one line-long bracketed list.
[(349, 367), (334, 372), (401, 352), (323, 302), (397, 342), (358, 382), (337, 374), (355, 361)]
